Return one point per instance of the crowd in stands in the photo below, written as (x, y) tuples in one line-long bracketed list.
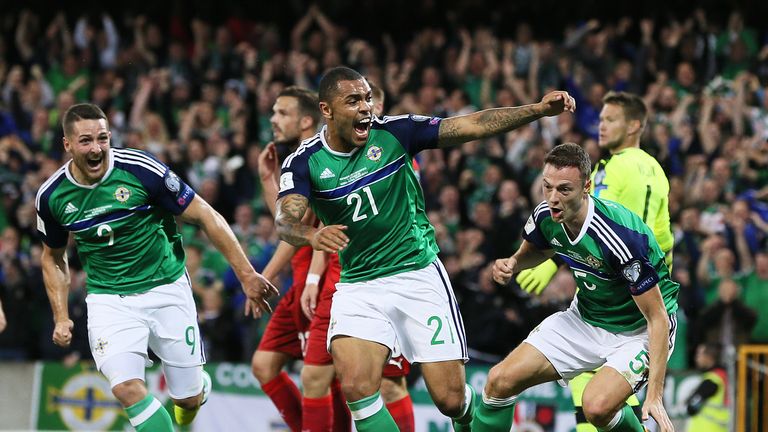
[(198, 95)]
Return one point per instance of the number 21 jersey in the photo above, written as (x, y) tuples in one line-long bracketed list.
[(373, 190)]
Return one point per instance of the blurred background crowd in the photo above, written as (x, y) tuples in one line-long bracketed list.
[(195, 87)]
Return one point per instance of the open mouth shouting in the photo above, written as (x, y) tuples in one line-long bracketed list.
[(556, 212), (362, 128), (95, 162)]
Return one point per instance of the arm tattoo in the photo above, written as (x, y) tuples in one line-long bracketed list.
[(486, 123), (290, 210)]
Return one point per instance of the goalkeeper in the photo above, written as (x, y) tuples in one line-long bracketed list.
[(631, 177)]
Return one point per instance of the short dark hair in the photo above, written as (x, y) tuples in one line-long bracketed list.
[(84, 111), (377, 92), (329, 83), (570, 155), (633, 106), (307, 100)]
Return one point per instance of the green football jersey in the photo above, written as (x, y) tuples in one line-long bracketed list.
[(123, 226), (614, 257), (373, 190)]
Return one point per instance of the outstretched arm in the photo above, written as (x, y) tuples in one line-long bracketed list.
[(257, 288), (56, 279), (495, 121)]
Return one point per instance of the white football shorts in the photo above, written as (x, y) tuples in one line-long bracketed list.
[(413, 313), (574, 346), (163, 318)]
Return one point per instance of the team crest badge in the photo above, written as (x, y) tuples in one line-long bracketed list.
[(632, 271), (593, 262), (122, 194), (374, 153), (100, 346)]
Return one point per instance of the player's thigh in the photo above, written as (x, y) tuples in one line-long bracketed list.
[(316, 352), (359, 362), (393, 388), (426, 315), (172, 317), (523, 368), (114, 328), (445, 381), (607, 391), (282, 335)]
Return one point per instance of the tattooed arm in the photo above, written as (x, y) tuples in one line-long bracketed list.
[(494, 121), (290, 210)]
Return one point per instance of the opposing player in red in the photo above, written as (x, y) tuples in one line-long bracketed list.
[(296, 117)]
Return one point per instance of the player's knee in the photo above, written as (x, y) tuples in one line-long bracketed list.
[(316, 381), (356, 388), (130, 392), (393, 389), (451, 402), (501, 382), (598, 410), (263, 369)]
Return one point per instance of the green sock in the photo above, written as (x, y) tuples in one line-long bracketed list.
[(628, 422), (494, 415), (370, 414), (463, 422), (149, 415)]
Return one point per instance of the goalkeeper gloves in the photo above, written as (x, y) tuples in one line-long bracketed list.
[(533, 280)]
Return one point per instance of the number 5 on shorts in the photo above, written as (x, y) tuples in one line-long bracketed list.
[(189, 336), (642, 362)]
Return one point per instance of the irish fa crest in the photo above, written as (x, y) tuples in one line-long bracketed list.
[(374, 153), (101, 346), (122, 194), (593, 262)]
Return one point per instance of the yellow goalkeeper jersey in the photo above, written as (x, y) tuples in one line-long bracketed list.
[(635, 179)]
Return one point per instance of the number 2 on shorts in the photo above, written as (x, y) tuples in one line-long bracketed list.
[(435, 340)]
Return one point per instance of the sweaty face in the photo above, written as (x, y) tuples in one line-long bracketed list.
[(564, 191), (351, 110), (286, 120), (613, 127), (89, 146)]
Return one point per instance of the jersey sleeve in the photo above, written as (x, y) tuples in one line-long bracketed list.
[(415, 132), (532, 229), (628, 252), (165, 188), (51, 232), (294, 175)]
